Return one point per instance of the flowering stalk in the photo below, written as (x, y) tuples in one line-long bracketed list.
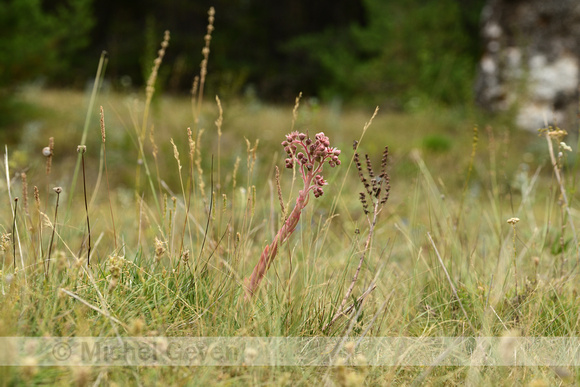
[(308, 157)]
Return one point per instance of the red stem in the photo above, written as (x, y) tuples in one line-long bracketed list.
[(271, 250)]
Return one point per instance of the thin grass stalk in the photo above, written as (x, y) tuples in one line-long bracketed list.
[(209, 215), (14, 232), (150, 88), (469, 171), (37, 205), (218, 124), (203, 65), (337, 197), (103, 137), (58, 190), (189, 189), (451, 283), (179, 167), (340, 311), (513, 222), (155, 152), (48, 152), (100, 73), (148, 173), (149, 91), (9, 186), (82, 149)]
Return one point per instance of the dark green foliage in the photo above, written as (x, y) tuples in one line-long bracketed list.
[(406, 50), (401, 54), (36, 41)]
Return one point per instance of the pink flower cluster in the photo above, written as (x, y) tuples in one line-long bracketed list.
[(310, 156)]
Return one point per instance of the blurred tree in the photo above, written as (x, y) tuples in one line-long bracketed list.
[(40, 41), (394, 52), (248, 45), (37, 40), (406, 52)]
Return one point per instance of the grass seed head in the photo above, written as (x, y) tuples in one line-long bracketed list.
[(159, 249), (103, 135)]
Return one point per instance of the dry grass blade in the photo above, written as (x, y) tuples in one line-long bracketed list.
[(451, 283), (96, 309)]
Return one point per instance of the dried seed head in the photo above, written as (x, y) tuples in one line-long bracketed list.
[(37, 197), (378, 187), (159, 249), (513, 221), (384, 162), (185, 256), (103, 136), (363, 199), (369, 166)]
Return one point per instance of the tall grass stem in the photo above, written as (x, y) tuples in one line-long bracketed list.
[(100, 73)]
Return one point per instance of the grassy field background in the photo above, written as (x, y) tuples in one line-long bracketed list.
[(449, 181)]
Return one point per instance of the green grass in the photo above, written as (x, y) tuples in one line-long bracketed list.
[(161, 294)]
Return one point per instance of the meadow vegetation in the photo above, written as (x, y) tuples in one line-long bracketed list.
[(182, 198)]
